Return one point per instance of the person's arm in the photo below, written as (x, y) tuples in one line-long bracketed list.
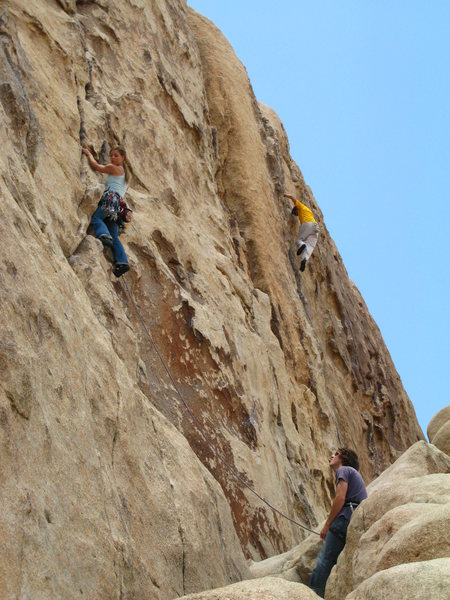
[(109, 168), (291, 198), (339, 501)]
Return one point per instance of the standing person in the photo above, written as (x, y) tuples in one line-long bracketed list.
[(350, 492), (308, 232), (104, 219)]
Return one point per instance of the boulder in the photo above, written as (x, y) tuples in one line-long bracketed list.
[(441, 438), (265, 588), (407, 533), (295, 565), (419, 460), (438, 421), (412, 581)]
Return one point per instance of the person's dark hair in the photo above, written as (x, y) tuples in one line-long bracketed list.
[(349, 458), (125, 166)]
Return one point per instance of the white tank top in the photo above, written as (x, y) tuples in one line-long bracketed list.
[(117, 183)]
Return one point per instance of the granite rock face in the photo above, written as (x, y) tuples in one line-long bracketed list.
[(109, 488)]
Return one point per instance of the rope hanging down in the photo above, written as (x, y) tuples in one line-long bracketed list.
[(216, 452)]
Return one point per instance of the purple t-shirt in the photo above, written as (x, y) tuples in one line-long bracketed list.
[(356, 491)]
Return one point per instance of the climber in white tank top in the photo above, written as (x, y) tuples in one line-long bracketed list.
[(104, 219)]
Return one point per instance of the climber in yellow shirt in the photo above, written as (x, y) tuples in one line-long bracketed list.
[(308, 232)]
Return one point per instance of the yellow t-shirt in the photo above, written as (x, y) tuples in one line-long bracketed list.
[(304, 214)]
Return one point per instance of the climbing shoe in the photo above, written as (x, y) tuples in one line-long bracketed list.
[(120, 269), (106, 240), (303, 265), (300, 249)]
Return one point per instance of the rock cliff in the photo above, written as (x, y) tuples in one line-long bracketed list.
[(109, 488)]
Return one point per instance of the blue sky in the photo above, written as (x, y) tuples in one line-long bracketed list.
[(363, 90)]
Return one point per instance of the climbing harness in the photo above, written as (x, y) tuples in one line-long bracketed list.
[(212, 447), (353, 504), (110, 203)]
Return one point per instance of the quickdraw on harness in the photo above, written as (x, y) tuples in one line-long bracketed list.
[(115, 208), (110, 203)]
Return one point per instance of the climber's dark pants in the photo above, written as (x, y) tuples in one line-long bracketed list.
[(333, 546)]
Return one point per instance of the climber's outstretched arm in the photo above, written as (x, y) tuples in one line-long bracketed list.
[(109, 168), (291, 198)]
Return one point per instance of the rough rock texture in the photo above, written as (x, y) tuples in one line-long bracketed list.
[(266, 588), (400, 529), (102, 486), (415, 581), (331, 383), (439, 430), (295, 565), (439, 419), (442, 438)]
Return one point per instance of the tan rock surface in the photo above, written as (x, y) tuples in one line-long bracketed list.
[(266, 588), (439, 419), (439, 430), (404, 520), (442, 438), (295, 565), (408, 533), (101, 495), (414, 581), (99, 489), (419, 460), (327, 377)]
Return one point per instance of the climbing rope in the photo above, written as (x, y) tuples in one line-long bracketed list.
[(210, 444)]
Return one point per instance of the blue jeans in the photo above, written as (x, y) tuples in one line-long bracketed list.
[(333, 546), (104, 226)]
